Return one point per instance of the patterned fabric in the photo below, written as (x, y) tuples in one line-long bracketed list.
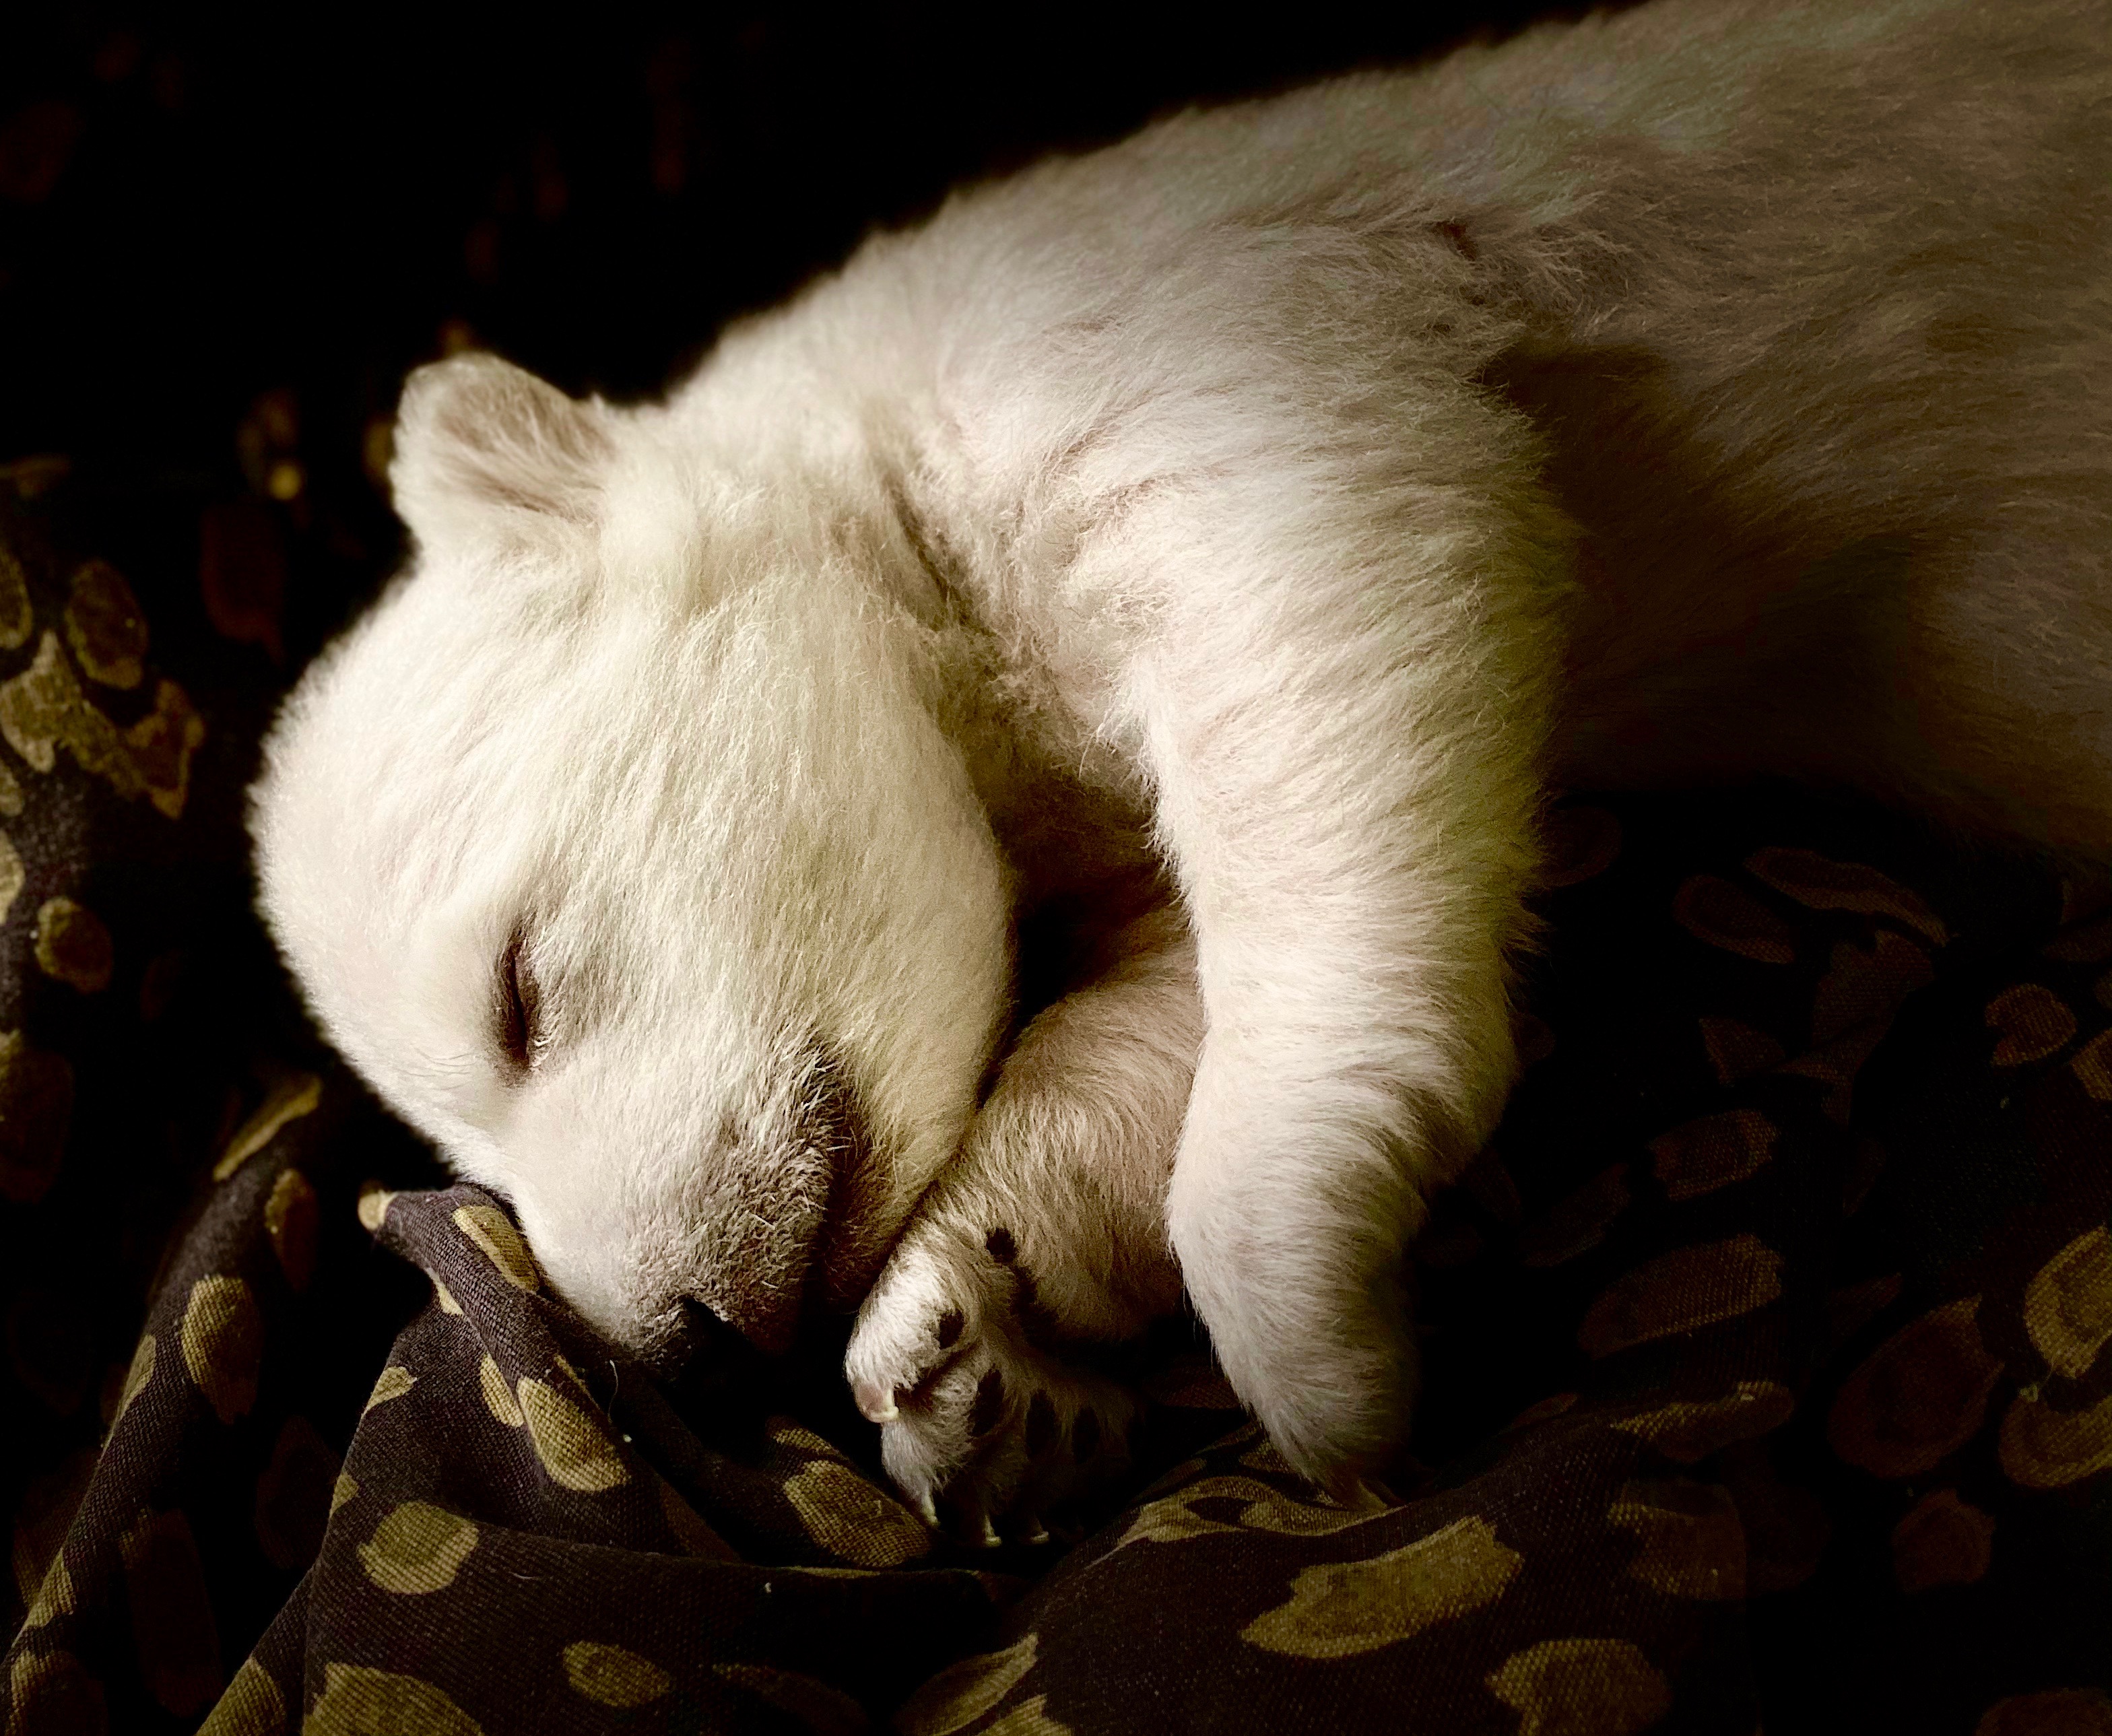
[(1765, 1369), (1765, 1366)]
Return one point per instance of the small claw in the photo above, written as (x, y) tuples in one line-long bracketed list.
[(876, 1404), (987, 1537), (927, 1509)]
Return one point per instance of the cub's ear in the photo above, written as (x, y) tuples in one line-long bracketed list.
[(486, 452)]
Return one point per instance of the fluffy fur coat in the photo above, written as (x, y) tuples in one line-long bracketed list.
[(1212, 548)]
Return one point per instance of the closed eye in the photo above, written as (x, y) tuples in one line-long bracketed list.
[(520, 1040)]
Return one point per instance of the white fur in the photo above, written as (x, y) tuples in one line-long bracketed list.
[(1287, 494)]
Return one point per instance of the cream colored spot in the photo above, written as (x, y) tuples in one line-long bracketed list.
[(16, 615), (286, 1102), (849, 1517), (357, 1701), (11, 793), (825, 1710), (958, 1695), (1688, 1429), (344, 1490), (1173, 1518), (1690, 1542), (1289, 1518), (2067, 1305), (104, 625), (2092, 1066), (136, 1378), (445, 1297), (253, 1706), (418, 1548), (613, 1676), (1868, 987), (162, 744), (2042, 1447), (54, 1596), (1813, 880), (570, 1443), (1343, 1608), (493, 1231), (1029, 1718), (73, 947), (498, 1398), (1681, 1291), (290, 1218), (2034, 1022), (787, 1432), (13, 876), (42, 710), (374, 1201), (395, 1381), (1582, 1687), (1711, 1153), (223, 1341), (1917, 1398)]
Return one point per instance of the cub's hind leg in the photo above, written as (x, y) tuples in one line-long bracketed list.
[(1050, 1227)]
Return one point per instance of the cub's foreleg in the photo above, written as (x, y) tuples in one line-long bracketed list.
[(1050, 1227), (1344, 711)]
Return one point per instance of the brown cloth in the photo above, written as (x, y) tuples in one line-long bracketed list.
[(1765, 1372)]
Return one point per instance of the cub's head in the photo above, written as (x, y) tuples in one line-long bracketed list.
[(619, 850)]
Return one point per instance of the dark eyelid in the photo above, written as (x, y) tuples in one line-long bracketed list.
[(514, 993)]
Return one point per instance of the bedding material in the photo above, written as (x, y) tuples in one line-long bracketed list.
[(1765, 1366)]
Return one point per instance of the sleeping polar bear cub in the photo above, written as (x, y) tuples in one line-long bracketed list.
[(1214, 547)]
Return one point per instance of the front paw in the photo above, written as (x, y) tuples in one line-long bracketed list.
[(1308, 1315), (974, 1418)]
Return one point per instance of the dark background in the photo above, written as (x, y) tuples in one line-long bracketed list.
[(221, 246)]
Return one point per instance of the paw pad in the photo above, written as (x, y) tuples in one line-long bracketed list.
[(977, 1417), (1040, 1425)]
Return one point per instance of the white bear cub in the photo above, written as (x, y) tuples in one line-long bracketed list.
[(1212, 548)]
